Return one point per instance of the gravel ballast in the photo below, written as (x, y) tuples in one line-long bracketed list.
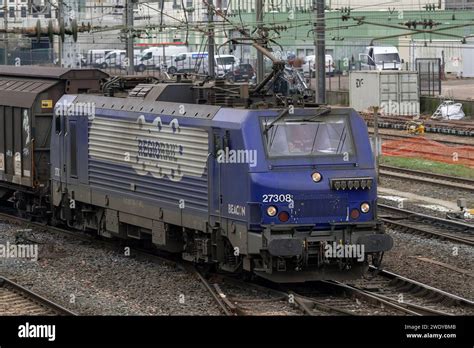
[(93, 280), (402, 260), (449, 195)]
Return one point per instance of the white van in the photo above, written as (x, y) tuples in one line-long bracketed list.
[(115, 59), (93, 55), (152, 57), (187, 62), (380, 58), (111, 60), (226, 63), (309, 68), (198, 62)]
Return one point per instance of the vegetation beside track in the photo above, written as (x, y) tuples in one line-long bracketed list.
[(429, 166)]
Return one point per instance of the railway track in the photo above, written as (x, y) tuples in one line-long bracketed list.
[(425, 177), (332, 298), (112, 245), (385, 293), (245, 298), (430, 226), (458, 127), (232, 296), (378, 295), (451, 140), (407, 295), (139, 252), (17, 300)]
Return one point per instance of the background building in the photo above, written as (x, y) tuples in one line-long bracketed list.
[(350, 26)]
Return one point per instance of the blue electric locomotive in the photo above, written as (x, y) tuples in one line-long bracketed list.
[(287, 194)]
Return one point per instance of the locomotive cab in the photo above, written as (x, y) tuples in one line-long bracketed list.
[(313, 196)]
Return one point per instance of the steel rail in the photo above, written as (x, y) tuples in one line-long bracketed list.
[(426, 177), (31, 296), (407, 219), (393, 276)]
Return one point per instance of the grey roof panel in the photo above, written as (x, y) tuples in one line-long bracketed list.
[(22, 92), (49, 72), (152, 107)]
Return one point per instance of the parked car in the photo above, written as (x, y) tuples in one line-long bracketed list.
[(243, 72)]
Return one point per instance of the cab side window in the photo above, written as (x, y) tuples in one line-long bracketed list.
[(146, 56), (180, 58)]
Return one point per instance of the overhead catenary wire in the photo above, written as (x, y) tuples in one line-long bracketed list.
[(291, 30)]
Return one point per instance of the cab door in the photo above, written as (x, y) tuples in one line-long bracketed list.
[(59, 144), (215, 175)]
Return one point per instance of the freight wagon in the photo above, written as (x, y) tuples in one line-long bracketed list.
[(27, 99)]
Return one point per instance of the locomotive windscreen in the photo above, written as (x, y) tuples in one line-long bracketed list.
[(326, 136)]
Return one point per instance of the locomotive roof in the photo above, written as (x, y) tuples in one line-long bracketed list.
[(138, 105), (26, 71), (196, 111)]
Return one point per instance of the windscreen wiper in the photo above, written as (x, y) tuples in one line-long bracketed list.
[(324, 111), (284, 112), (281, 115)]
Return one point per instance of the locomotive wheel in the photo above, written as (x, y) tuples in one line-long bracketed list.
[(248, 276), (377, 259), (205, 269)]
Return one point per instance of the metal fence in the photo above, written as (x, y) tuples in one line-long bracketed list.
[(117, 64), (114, 62), (243, 71), (429, 75), (18, 56)]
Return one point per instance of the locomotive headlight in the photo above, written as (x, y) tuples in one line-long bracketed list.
[(351, 184), (316, 177), (365, 207), (271, 211)]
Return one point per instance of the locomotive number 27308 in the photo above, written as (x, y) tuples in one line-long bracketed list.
[(275, 198)]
